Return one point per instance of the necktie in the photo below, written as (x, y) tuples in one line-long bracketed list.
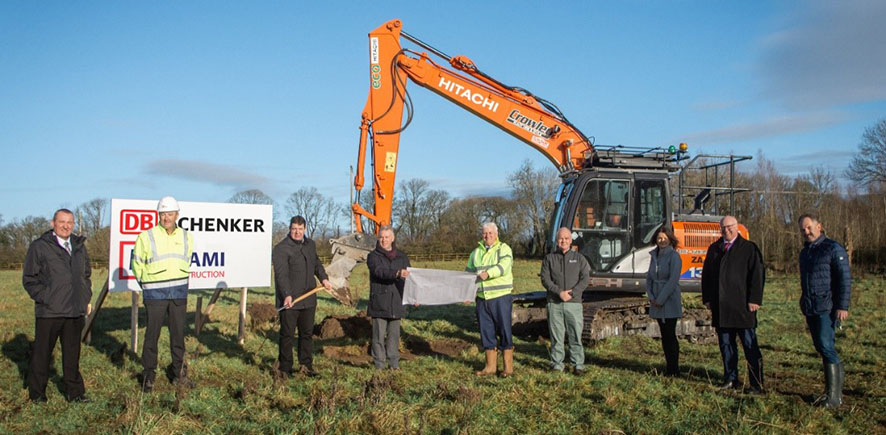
[(728, 245), (68, 246)]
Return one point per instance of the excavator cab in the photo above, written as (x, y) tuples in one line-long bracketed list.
[(613, 215)]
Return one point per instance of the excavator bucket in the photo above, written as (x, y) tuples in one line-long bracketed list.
[(347, 252)]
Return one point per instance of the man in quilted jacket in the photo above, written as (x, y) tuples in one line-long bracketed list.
[(826, 285)]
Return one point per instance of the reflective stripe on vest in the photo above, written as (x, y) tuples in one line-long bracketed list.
[(157, 257), (164, 284)]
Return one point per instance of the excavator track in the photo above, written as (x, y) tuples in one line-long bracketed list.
[(606, 315)]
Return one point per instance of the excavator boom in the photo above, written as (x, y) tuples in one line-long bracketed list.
[(514, 110)]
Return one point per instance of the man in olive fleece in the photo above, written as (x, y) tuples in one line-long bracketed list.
[(565, 274)]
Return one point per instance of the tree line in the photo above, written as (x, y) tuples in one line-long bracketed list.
[(429, 220)]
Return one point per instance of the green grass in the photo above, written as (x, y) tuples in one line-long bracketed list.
[(621, 392)]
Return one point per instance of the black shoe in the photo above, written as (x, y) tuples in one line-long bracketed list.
[(79, 399), (309, 372), (730, 385), (755, 390), (184, 381), (39, 399), (578, 372), (148, 386)]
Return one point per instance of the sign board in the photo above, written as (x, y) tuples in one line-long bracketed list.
[(232, 242)]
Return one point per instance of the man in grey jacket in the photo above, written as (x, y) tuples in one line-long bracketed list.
[(56, 275), (564, 274)]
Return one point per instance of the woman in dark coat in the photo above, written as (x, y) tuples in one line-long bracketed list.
[(387, 276), (663, 290)]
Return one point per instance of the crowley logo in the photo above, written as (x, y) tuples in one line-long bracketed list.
[(136, 221), (526, 123)]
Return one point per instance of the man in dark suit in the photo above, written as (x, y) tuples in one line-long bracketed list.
[(295, 265), (732, 283), (56, 274)]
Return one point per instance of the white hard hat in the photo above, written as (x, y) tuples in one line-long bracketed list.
[(167, 203)]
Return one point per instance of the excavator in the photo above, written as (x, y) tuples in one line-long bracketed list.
[(612, 198)]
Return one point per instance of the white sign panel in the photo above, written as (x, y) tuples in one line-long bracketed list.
[(232, 242)]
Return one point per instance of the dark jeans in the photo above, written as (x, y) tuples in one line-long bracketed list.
[(385, 342), (290, 319), (494, 317), (670, 344), (158, 310), (46, 332), (821, 327), (729, 351)]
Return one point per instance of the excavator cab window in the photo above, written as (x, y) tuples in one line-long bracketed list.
[(651, 210), (601, 224)]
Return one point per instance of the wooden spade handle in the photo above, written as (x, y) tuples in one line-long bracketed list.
[(296, 300)]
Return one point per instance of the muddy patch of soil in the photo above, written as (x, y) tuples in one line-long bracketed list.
[(449, 348), (353, 327), (261, 314)]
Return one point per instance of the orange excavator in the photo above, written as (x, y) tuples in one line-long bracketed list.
[(612, 198)]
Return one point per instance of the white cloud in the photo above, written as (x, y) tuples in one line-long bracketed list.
[(775, 126), (225, 175), (834, 160)]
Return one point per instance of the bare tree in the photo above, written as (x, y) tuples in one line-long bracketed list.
[(459, 230), (869, 165), (91, 216), (417, 209), (251, 196), (321, 213), (254, 196), (534, 190)]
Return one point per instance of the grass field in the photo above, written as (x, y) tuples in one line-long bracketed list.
[(622, 391)]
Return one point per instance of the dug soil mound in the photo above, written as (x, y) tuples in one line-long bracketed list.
[(353, 327), (449, 348), (261, 314)]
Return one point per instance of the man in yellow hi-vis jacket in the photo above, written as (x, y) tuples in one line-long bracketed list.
[(492, 261), (161, 262)]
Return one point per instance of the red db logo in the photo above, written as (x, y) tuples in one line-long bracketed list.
[(136, 221)]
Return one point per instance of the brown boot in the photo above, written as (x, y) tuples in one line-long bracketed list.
[(509, 362), (491, 363)]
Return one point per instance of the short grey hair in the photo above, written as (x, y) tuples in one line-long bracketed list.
[(386, 228), (489, 225)]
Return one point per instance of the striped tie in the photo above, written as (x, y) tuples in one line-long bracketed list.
[(68, 246)]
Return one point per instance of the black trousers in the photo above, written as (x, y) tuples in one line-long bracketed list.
[(46, 332), (303, 319), (158, 309), (670, 345)]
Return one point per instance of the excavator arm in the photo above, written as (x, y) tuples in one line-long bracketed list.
[(534, 121)]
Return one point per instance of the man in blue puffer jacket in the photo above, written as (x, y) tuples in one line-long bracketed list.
[(826, 285)]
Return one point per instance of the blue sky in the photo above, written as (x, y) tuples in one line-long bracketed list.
[(203, 99)]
